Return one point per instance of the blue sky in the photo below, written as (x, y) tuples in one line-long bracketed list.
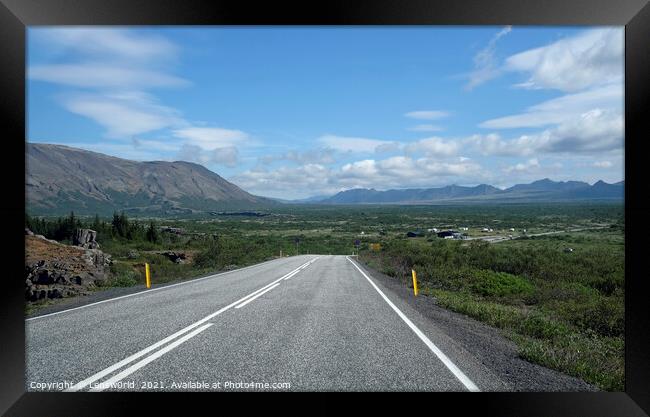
[(292, 112)]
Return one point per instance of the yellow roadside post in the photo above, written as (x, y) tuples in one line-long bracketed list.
[(147, 275), (415, 282)]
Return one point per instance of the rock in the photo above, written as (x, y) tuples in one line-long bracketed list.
[(96, 258), (132, 254), (85, 238), (54, 293), (177, 257), (28, 232), (58, 271), (44, 277)]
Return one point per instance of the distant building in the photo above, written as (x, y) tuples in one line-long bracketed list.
[(416, 233), (432, 230), (175, 230), (568, 250), (450, 234)]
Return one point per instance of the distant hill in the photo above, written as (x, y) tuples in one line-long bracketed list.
[(60, 178), (544, 190)]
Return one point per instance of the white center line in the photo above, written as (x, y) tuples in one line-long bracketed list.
[(82, 384), (131, 369), (258, 295), (145, 292), (445, 360)]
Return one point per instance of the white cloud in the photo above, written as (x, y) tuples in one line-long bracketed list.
[(355, 144), (528, 166), (287, 182), (122, 114), (403, 172), (210, 138), (485, 63), (592, 58), (103, 43), (425, 128), (393, 172), (427, 114), (603, 164), (562, 109), (98, 75), (315, 156), (433, 147), (593, 132), (227, 155), (114, 68)]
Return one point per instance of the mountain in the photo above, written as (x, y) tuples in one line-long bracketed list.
[(309, 200), (544, 190), (60, 178), (413, 195)]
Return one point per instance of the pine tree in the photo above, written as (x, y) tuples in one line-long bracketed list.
[(152, 233), (96, 224)]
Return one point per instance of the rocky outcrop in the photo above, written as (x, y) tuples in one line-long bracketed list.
[(55, 270), (85, 238), (177, 257)]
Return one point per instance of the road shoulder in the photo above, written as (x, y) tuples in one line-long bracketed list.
[(495, 351)]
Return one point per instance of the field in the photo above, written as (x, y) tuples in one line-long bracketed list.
[(559, 296)]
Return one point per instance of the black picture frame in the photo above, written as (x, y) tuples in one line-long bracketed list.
[(16, 15)]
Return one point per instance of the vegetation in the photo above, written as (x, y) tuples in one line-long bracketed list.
[(564, 309)]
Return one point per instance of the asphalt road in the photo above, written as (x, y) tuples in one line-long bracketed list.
[(300, 323)]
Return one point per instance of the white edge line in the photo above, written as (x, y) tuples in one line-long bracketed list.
[(80, 385), (191, 281), (131, 369), (256, 296), (445, 360)]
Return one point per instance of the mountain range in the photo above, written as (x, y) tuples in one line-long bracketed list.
[(61, 178), (544, 190)]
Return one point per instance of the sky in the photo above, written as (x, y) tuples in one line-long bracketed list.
[(294, 112)]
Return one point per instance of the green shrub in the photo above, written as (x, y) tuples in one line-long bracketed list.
[(122, 275), (499, 284), (597, 360), (603, 315)]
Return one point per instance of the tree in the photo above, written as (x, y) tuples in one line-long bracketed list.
[(152, 233), (97, 225), (120, 224)]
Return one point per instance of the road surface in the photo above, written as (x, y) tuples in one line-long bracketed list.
[(300, 323)]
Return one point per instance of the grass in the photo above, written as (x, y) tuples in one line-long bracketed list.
[(563, 310), (547, 341)]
